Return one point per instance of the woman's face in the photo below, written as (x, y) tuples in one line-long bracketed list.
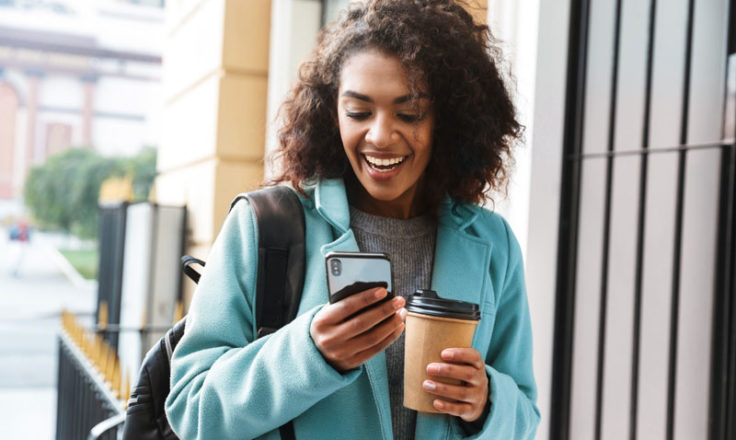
[(386, 138)]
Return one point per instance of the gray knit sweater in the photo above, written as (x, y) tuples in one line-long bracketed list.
[(410, 244)]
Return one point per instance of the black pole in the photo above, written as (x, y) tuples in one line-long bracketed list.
[(677, 258), (568, 225)]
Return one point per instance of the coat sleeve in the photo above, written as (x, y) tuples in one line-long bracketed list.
[(225, 383), (513, 391)]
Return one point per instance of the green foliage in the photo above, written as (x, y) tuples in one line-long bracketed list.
[(84, 261), (63, 192), (142, 168)]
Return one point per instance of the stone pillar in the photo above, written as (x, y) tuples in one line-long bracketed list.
[(88, 84), (215, 79), (31, 102), (8, 112)]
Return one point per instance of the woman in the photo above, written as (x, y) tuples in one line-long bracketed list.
[(398, 126)]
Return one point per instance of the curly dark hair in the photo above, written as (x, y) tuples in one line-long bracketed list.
[(442, 48)]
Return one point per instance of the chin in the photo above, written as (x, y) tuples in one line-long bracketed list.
[(383, 196)]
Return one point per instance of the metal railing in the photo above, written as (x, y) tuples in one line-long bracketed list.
[(91, 395)]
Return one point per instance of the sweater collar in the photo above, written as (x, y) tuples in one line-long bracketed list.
[(331, 201)]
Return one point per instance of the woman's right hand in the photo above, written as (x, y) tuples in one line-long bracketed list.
[(351, 331)]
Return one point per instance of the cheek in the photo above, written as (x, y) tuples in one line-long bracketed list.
[(350, 136), (424, 143)]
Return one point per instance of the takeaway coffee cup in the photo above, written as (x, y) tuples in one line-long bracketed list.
[(433, 324)]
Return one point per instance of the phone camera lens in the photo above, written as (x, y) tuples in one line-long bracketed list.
[(336, 267)]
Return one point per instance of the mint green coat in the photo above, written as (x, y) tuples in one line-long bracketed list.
[(226, 384)]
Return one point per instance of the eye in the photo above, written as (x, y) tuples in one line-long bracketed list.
[(358, 115), (409, 118)]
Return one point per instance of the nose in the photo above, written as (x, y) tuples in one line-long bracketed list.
[(381, 132)]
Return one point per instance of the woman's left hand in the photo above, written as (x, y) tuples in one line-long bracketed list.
[(468, 399)]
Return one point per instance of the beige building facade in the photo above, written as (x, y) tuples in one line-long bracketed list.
[(215, 80)]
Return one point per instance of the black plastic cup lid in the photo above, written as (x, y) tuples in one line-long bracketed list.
[(427, 302)]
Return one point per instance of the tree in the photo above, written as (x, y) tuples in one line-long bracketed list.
[(63, 192)]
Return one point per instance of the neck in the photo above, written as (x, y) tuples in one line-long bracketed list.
[(406, 206)]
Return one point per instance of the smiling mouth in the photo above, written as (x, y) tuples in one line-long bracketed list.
[(384, 165)]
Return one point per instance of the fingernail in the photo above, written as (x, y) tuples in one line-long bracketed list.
[(398, 302), (448, 355), (402, 314), (438, 404), (433, 368), (380, 292), (429, 385)]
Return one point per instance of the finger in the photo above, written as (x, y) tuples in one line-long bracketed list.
[(468, 356), (376, 334), (349, 348), (463, 410), (339, 342), (363, 356), (341, 310), (339, 348), (460, 393), (465, 373), (366, 320)]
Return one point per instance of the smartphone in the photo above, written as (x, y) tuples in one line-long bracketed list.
[(349, 273)]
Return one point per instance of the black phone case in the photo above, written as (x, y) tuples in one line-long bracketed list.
[(358, 286)]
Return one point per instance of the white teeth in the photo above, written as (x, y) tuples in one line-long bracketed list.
[(377, 161)]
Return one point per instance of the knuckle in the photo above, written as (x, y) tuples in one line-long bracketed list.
[(319, 319), (368, 297), (346, 306), (356, 325), (327, 341), (467, 376), (373, 338)]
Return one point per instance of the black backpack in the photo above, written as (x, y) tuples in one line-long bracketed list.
[(279, 286)]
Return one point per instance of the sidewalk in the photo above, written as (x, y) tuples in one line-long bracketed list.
[(29, 322)]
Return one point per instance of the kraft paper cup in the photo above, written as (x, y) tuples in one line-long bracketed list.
[(427, 334)]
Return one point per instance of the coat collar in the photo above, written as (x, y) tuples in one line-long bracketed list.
[(331, 202)]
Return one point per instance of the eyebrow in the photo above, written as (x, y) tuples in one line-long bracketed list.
[(366, 98)]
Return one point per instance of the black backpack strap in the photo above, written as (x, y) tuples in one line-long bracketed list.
[(186, 262), (281, 255), (281, 261)]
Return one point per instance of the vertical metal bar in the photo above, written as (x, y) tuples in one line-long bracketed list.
[(677, 259), (79, 386), (569, 207), (723, 316), (641, 232), (61, 394), (731, 272), (602, 312), (722, 383)]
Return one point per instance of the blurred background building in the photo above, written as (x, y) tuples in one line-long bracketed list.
[(76, 73)]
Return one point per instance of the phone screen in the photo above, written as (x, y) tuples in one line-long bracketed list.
[(352, 272)]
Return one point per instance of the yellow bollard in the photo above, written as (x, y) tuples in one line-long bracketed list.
[(87, 344), (104, 360), (125, 389), (98, 348), (102, 316), (116, 377), (109, 365)]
